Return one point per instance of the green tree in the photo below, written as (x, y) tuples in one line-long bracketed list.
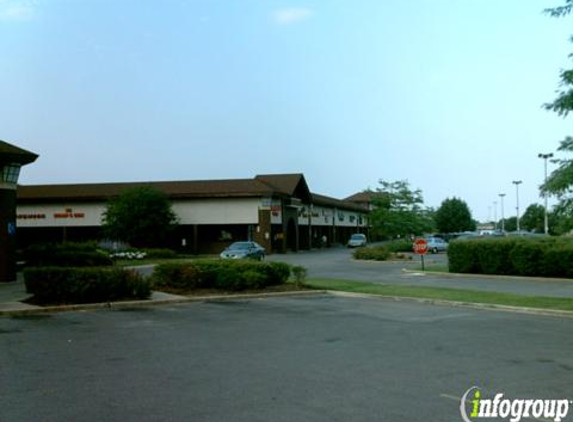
[(140, 216), (454, 215), (399, 211), (510, 224), (560, 182), (563, 104), (533, 219)]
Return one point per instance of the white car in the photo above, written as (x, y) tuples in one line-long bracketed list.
[(356, 240)]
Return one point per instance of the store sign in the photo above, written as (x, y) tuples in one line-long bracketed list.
[(69, 214), (31, 216)]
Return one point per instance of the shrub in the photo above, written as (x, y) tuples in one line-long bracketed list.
[(65, 255), (149, 253), (513, 256), (299, 273), (157, 253), (57, 285), (528, 258), (219, 274), (378, 253), (402, 245), (493, 256), (276, 272)]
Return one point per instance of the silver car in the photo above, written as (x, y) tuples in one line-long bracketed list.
[(356, 240), (436, 244)]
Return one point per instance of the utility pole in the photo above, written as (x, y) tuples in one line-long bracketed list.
[(501, 195), (517, 183), (545, 157)]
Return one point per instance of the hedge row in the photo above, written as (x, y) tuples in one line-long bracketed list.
[(547, 257), (220, 274), (377, 253), (57, 285), (403, 245), (66, 255)]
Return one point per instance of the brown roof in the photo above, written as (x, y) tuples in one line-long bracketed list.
[(175, 189), (336, 203), (365, 196), (287, 185), (12, 154)]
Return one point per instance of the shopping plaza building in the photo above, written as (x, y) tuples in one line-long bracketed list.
[(278, 211)]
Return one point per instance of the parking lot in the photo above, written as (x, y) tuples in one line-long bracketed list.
[(337, 263), (290, 359)]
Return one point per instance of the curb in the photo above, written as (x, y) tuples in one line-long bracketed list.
[(471, 305), (230, 297), (144, 303), (494, 276)]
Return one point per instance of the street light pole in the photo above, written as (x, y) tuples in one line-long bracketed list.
[(495, 215), (545, 157), (501, 195), (517, 183)]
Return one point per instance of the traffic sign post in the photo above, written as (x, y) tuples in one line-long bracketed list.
[(421, 248)]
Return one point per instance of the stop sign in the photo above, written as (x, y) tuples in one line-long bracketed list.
[(421, 246)]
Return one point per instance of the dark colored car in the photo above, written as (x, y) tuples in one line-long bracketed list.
[(244, 250)]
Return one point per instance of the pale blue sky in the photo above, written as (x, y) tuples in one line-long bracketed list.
[(444, 93)]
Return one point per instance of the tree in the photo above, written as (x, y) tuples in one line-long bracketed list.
[(140, 216), (563, 104), (454, 215), (560, 184), (399, 211), (510, 224), (533, 219)]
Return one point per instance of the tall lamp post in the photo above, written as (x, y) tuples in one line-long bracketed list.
[(517, 183), (495, 215), (11, 159), (545, 157), (501, 195)]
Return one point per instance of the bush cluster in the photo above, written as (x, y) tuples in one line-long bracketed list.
[(377, 253), (65, 255), (402, 245), (546, 257), (220, 274), (59, 285), (149, 253)]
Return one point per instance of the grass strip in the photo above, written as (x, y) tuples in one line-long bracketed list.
[(444, 293)]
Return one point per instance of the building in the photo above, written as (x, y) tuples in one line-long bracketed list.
[(278, 211)]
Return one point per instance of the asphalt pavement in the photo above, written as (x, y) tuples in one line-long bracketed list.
[(337, 263), (289, 359)]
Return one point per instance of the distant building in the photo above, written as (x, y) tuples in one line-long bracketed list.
[(277, 210)]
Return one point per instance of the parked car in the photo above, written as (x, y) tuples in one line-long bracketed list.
[(244, 250), (356, 240), (436, 244)]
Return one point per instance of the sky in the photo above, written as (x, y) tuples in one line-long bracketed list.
[(446, 94)]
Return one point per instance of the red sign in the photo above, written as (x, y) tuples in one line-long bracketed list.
[(421, 246)]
